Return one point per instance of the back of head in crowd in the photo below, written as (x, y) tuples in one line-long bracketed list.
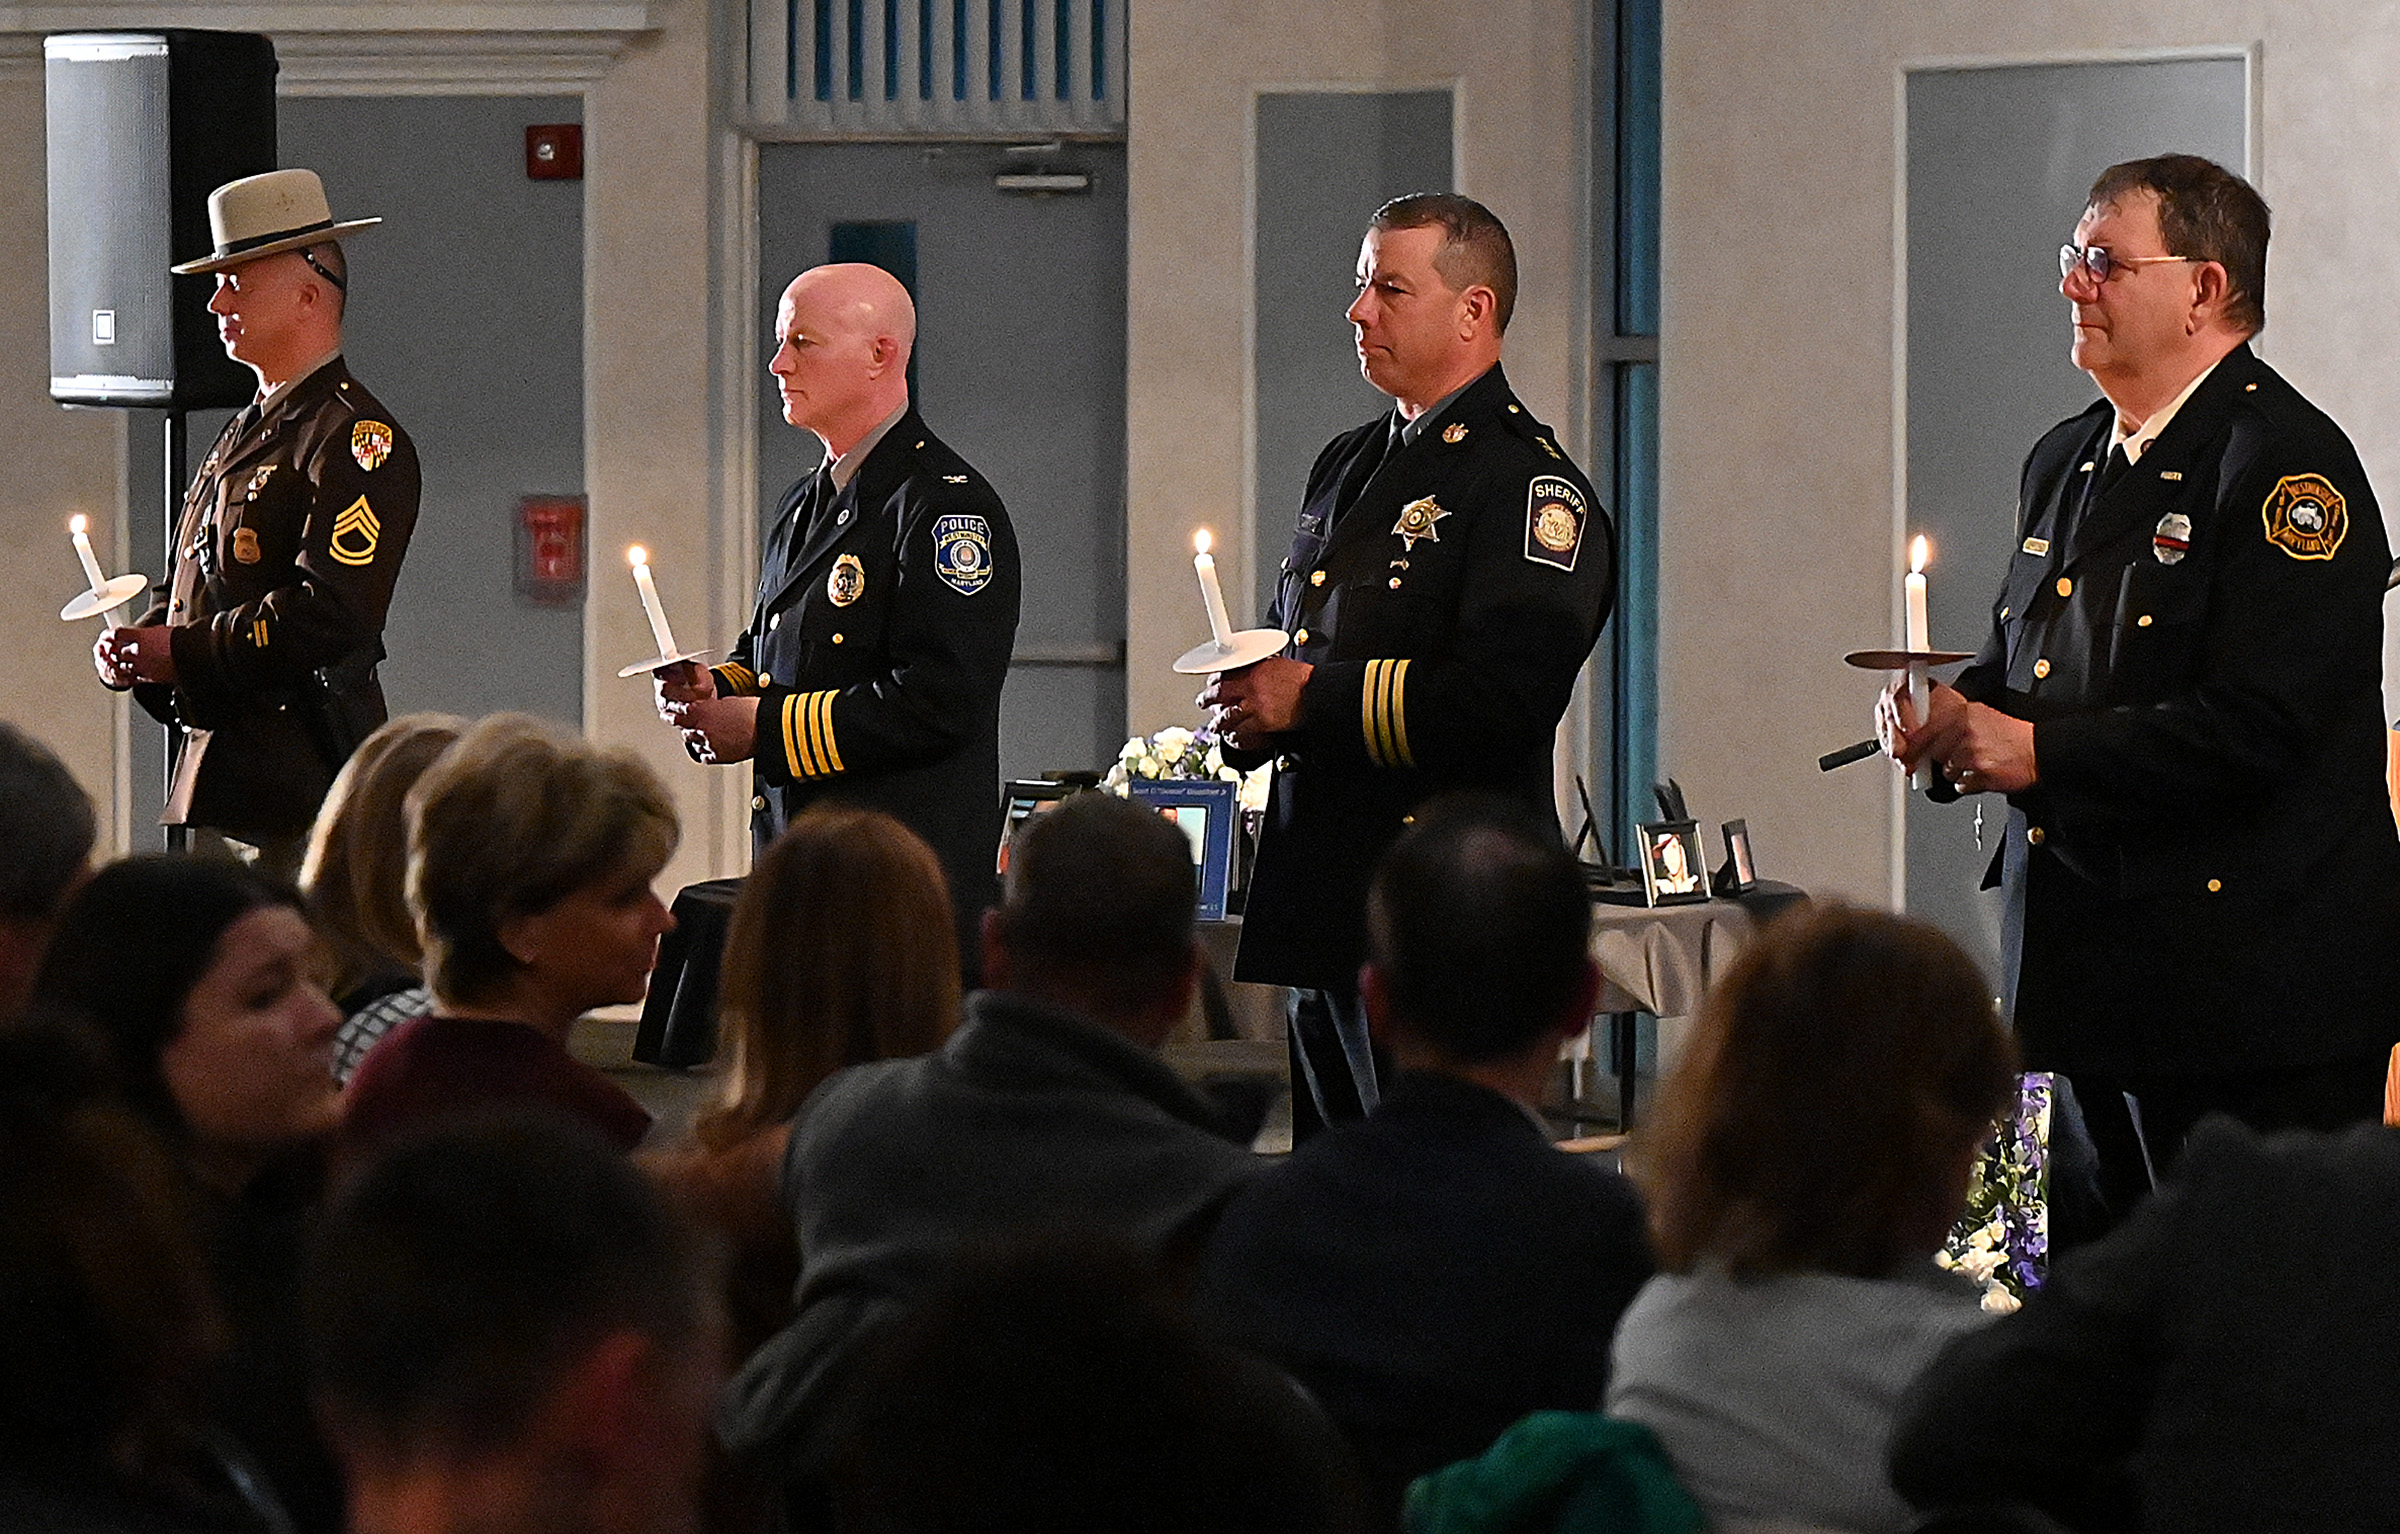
[(150, 943), (842, 949), (1057, 1385), (46, 825), (510, 1302), (512, 820), (2206, 213), (356, 873), (1839, 1081), (110, 1320), (1479, 930), (1475, 250), (1096, 913)]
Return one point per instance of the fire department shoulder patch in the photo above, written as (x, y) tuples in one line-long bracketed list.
[(2305, 516)]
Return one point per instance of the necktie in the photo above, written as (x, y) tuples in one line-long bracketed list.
[(2114, 469), (815, 502)]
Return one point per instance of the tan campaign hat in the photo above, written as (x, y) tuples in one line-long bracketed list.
[(261, 215)]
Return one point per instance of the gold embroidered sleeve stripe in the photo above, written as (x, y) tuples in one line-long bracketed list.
[(1383, 714), (808, 743), (736, 679)]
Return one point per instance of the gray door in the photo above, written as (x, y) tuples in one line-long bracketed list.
[(1020, 366), (1998, 164)]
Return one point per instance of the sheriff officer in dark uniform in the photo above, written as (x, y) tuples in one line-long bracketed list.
[(263, 654), (872, 667), (2181, 700), (1450, 573)]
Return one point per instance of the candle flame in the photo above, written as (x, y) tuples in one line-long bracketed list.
[(1200, 541), (1917, 553), (637, 555), (77, 523)]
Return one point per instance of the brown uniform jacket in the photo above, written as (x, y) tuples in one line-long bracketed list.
[(288, 548)]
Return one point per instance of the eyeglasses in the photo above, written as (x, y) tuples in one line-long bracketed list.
[(2098, 261)]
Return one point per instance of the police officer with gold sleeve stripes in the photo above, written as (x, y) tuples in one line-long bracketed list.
[(872, 667), (263, 654), (1450, 573), (2181, 699)]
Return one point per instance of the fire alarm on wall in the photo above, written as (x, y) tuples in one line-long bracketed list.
[(554, 151)]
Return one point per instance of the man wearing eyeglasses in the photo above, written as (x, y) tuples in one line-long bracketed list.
[(2181, 701)]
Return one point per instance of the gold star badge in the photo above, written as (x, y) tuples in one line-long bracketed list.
[(1417, 520)]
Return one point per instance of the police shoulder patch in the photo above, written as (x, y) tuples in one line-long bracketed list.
[(962, 552), (1554, 515), (2305, 516)]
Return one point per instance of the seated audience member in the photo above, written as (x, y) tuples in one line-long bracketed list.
[(46, 825), (199, 978), (1048, 1110), (1438, 1269), (841, 950), (530, 860), (1803, 1165), (1057, 1385), (510, 1330), (356, 880), (2222, 1360)]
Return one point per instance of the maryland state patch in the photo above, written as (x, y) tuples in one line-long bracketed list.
[(1554, 513), (371, 444), (962, 552), (2305, 516)]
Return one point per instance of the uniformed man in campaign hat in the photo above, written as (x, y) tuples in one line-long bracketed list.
[(2181, 699), (262, 654), (887, 606), (1449, 575)]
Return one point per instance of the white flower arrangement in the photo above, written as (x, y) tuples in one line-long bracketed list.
[(1176, 753), (2002, 1242)]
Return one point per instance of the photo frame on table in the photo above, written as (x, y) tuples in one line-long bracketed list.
[(1738, 874), (1674, 868), (1026, 798), (1204, 810)]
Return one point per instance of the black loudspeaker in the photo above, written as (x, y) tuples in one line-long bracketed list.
[(143, 126)]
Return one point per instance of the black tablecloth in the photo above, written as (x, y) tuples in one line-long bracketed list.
[(679, 1017)]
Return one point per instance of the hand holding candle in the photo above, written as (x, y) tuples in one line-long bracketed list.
[(103, 596), (1226, 650)]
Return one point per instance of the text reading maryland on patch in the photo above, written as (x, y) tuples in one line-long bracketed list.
[(2305, 516), (1554, 513), (962, 552), (371, 444), (848, 582), (354, 534)]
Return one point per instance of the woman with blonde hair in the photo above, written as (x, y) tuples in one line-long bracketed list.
[(355, 878), (841, 950), (1803, 1165)]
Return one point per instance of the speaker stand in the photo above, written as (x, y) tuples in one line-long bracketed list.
[(179, 838)]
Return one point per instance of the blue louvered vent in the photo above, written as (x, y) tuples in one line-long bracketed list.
[(938, 67)]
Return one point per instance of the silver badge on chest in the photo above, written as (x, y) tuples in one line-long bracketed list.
[(2173, 539)]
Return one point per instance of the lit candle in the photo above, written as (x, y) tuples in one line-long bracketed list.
[(1918, 642), (639, 558), (1220, 627), (83, 551)]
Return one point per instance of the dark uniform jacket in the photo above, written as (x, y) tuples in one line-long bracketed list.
[(2206, 877), (1447, 610), (878, 650), (289, 545)]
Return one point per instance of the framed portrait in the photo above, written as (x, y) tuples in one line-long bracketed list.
[(1204, 810), (1739, 874), (1674, 868), (1028, 797)]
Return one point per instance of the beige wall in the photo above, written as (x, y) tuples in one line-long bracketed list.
[(1196, 68), (1776, 456)]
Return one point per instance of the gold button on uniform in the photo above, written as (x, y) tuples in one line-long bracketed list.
[(758, 801), (1395, 583), (2066, 588), (837, 639), (1301, 637), (2142, 622), (2003, 614), (2041, 668), (1316, 577), (2033, 834), (765, 680), (2216, 886)]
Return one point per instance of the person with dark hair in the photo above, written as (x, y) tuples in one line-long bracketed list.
[(2181, 697), (1058, 1384), (1438, 1270), (218, 1033), (259, 654), (1048, 1109), (509, 1329), (1803, 1164), (1451, 570), (46, 824)]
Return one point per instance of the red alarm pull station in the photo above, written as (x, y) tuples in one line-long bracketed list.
[(554, 151)]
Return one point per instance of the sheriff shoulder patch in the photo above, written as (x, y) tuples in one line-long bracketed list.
[(1554, 513), (355, 533), (371, 444), (962, 552), (2305, 516)]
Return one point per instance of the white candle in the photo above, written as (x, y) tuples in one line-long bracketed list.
[(83, 551), (1220, 627), (1918, 641), (640, 559)]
